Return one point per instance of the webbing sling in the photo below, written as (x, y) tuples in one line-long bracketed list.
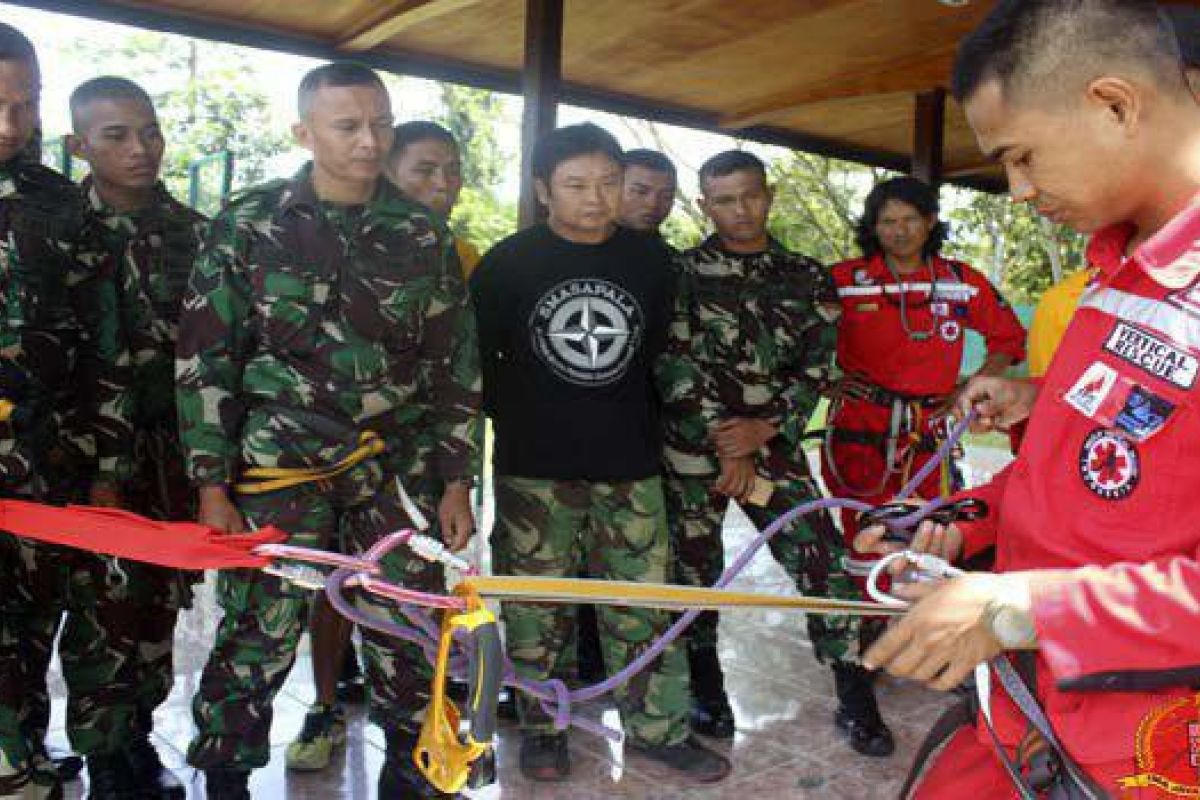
[(532, 589), (272, 479), (1072, 782)]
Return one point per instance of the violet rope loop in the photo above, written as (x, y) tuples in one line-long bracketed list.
[(362, 573)]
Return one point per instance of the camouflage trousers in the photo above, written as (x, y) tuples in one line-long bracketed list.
[(551, 528), (265, 616), (160, 489), (809, 550), (98, 647)]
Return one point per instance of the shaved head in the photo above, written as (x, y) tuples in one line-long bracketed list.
[(106, 87), (1048, 49)]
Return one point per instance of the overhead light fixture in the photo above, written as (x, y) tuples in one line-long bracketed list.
[(955, 3)]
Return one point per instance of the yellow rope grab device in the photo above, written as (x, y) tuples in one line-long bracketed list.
[(443, 754)]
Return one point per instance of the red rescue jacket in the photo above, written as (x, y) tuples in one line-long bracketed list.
[(1108, 477)]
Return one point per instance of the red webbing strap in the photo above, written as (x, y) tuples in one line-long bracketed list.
[(182, 545)]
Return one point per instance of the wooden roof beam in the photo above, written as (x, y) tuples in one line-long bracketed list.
[(395, 17), (910, 75)]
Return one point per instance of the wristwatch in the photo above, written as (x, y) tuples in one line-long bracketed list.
[(1011, 626)]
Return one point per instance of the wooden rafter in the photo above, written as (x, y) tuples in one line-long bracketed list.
[(393, 17), (911, 74)]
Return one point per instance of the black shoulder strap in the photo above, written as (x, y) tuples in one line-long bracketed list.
[(958, 716)]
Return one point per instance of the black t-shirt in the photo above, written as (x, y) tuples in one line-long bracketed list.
[(568, 335)]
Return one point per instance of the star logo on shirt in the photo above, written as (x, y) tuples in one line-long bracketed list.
[(586, 330), (593, 330)]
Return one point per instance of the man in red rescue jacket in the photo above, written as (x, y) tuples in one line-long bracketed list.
[(905, 313), (1096, 524)]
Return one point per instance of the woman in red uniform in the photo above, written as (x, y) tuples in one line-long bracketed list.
[(905, 311)]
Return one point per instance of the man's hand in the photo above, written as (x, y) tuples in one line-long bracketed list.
[(946, 634), (218, 511), (455, 516), (1000, 402), (737, 477), (943, 541), (740, 437), (105, 495)]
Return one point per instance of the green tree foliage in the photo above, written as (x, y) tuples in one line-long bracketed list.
[(817, 204), (1020, 251), (475, 117)]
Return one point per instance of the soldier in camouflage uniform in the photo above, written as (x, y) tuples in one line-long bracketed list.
[(64, 369), (323, 307), (154, 239), (752, 345), (572, 314)]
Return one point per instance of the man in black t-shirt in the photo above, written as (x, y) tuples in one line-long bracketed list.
[(572, 314)]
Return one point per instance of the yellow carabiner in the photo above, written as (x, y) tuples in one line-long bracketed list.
[(443, 754)]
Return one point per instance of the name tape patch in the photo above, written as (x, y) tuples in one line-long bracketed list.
[(1153, 355)]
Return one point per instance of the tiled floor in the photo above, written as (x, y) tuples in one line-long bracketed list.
[(785, 747)]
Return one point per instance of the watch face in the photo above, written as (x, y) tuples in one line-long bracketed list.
[(1012, 628)]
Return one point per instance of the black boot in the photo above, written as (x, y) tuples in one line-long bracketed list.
[(399, 779), (689, 759), (226, 784), (711, 714), (154, 780), (109, 778), (858, 712)]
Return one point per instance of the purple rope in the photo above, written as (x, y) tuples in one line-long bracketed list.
[(556, 699)]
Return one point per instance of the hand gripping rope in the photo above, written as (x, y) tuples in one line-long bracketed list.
[(465, 642)]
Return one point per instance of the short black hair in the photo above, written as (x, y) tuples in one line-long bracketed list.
[(729, 162), (15, 46), (649, 159), (337, 73), (106, 87), (420, 130), (1035, 43), (1185, 20), (562, 144), (912, 191)]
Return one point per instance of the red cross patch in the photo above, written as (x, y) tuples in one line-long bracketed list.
[(1109, 464)]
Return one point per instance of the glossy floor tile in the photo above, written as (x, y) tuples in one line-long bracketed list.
[(785, 747)]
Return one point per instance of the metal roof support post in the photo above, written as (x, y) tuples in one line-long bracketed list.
[(541, 84), (929, 128)]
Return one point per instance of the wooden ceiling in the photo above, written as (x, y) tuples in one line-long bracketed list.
[(836, 77)]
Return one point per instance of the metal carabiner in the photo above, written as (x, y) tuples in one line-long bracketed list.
[(968, 509), (925, 567)]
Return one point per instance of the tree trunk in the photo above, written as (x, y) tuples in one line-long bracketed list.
[(1050, 245)]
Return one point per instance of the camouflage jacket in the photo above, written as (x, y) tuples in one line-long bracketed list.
[(305, 322), (63, 363), (155, 248), (751, 336)]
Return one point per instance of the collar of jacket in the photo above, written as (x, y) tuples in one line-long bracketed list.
[(299, 194), (161, 200), (1171, 256), (774, 247)]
